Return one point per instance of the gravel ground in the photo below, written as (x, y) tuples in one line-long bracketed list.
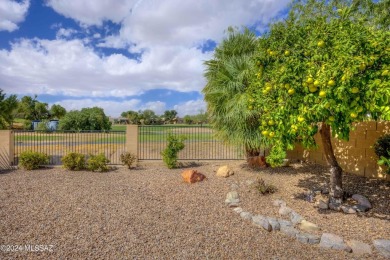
[(149, 213)]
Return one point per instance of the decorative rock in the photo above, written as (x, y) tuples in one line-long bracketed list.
[(232, 195), (362, 200), (308, 238), (192, 176), (325, 191), (274, 223), (289, 231), (334, 242), (246, 215), (323, 205), (308, 226), (310, 196), (257, 162), (285, 223), (335, 206), (360, 208), (295, 218), (262, 221), (348, 210), (238, 210), (279, 202), (284, 210), (359, 248), (233, 204), (224, 171), (383, 246)]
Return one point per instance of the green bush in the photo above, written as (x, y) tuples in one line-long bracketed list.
[(30, 160), (43, 126), (128, 159), (97, 163), (169, 154), (382, 150), (263, 187), (276, 157), (74, 161)]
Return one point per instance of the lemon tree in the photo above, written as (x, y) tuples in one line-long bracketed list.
[(323, 68)]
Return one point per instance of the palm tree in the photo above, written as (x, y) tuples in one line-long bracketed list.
[(229, 73)]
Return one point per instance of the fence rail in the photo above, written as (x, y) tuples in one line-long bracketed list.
[(57, 144), (200, 143)]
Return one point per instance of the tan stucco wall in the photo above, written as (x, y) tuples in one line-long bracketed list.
[(132, 139), (355, 156), (6, 149)]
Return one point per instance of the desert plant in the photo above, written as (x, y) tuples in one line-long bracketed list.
[(30, 160), (382, 150), (263, 187), (128, 159), (74, 161), (97, 163), (175, 145)]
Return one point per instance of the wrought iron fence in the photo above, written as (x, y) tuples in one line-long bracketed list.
[(57, 144), (200, 143)]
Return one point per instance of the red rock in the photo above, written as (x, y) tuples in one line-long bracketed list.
[(192, 176), (257, 162)]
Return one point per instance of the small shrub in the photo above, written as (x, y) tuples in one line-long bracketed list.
[(27, 125), (276, 157), (74, 161), (128, 159), (263, 187), (30, 160), (382, 150), (43, 126), (169, 154), (97, 163)]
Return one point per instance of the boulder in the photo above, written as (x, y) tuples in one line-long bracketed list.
[(348, 210), (335, 206), (257, 162), (359, 248), (334, 242), (289, 231), (284, 211), (246, 215), (224, 171), (262, 221), (238, 210), (284, 223), (192, 176), (323, 204), (383, 246), (274, 223), (279, 202), (360, 208), (295, 217), (362, 200), (308, 226), (308, 238)]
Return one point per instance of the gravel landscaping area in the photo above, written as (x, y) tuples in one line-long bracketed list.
[(150, 213)]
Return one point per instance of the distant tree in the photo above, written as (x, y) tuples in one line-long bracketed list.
[(132, 116), (31, 109), (147, 116), (86, 119), (169, 115), (57, 111), (7, 107), (188, 119)]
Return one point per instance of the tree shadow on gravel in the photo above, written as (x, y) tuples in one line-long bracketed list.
[(377, 191)]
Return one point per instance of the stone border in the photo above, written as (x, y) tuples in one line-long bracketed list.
[(299, 228)]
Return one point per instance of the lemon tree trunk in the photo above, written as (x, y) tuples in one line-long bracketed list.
[(336, 173)]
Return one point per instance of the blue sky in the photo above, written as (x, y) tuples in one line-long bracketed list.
[(119, 55)]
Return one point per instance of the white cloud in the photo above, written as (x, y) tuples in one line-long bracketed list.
[(157, 106), (92, 12), (65, 33), (192, 107), (12, 13)]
